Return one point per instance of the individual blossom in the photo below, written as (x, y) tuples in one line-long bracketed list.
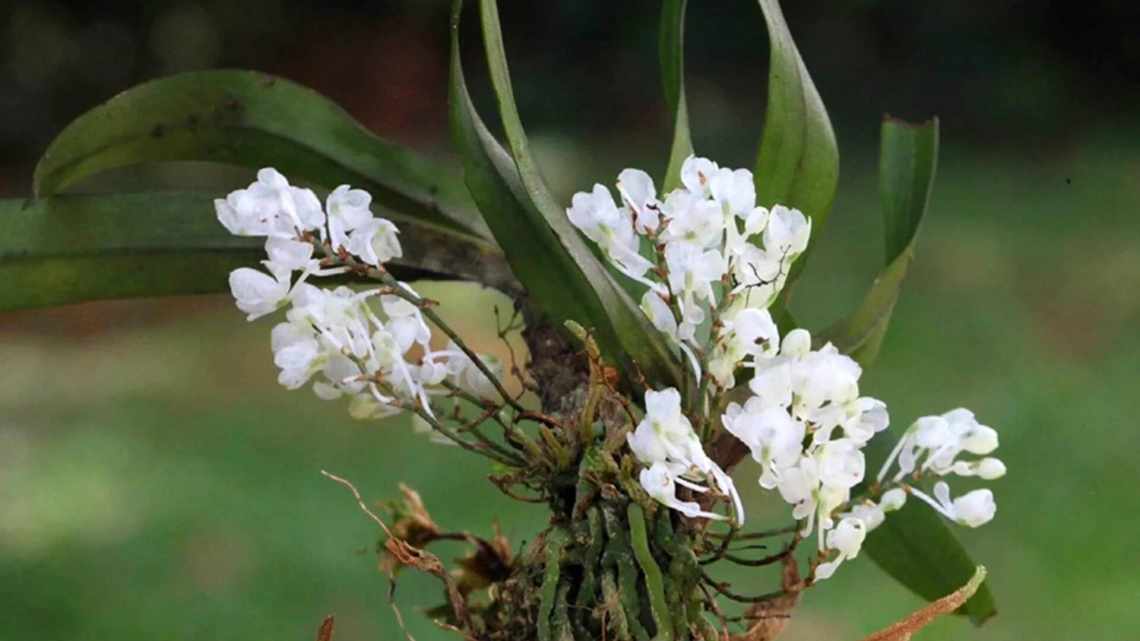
[(972, 509), (294, 255), (466, 375), (692, 219), (270, 206), (257, 293), (773, 436), (660, 482), (745, 333), (846, 539), (375, 242), (640, 196), (347, 209), (596, 214)]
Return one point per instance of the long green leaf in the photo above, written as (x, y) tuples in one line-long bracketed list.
[(798, 161), (915, 545), (908, 157), (672, 52), (67, 249), (251, 119), (565, 280), (918, 549)]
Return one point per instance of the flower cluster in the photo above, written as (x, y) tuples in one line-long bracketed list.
[(371, 345), (712, 262), (708, 256), (806, 425), (932, 445), (665, 441)]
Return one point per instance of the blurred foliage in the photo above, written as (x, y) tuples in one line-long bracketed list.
[(1035, 72)]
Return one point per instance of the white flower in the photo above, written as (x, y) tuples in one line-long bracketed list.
[(348, 209), (787, 232), (375, 242), (256, 210), (661, 485), (257, 293), (696, 173), (270, 206), (747, 332), (734, 190), (637, 190), (464, 374), (988, 468), (665, 436), (363, 406), (893, 499), (870, 513), (972, 509), (799, 486), (870, 418), (659, 314), (611, 228), (772, 384), (672, 429), (841, 463), (693, 270), (290, 254), (771, 434), (937, 441), (825, 380), (692, 219), (405, 322), (297, 352), (847, 538)]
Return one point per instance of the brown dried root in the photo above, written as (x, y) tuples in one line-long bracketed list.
[(904, 629)]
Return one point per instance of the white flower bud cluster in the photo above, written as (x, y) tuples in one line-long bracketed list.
[(690, 244), (933, 444), (371, 345)]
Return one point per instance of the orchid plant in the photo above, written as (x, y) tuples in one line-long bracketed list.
[(662, 351)]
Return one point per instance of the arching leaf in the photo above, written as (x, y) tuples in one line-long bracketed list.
[(798, 161), (564, 279), (672, 52), (67, 249), (251, 119), (908, 158)]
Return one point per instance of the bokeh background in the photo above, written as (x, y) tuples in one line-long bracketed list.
[(155, 483)]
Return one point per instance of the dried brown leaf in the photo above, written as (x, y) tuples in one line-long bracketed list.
[(904, 629), (325, 632)]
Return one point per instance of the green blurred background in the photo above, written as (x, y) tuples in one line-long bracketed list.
[(156, 483)]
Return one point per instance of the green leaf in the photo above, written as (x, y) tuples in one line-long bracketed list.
[(908, 158), (255, 120), (917, 547), (914, 545), (672, 51), (798, 161), (67, 249), (564, 279)]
